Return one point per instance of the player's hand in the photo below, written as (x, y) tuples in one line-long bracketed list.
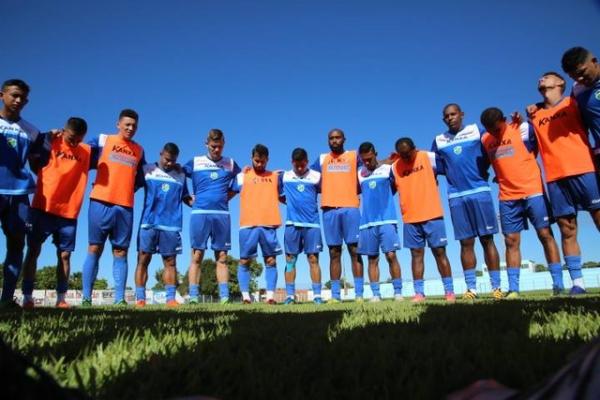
[(54, 133), (517, 118), (393, 156), (246, 169), (531, 109)]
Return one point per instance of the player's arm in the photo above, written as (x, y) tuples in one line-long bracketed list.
[(280, 191), (39, 152), (316, 165), (140, 180), (186, 197), (96, 149), (392, 182)]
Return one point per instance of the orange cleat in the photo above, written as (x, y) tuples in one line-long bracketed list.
[(28, 305), (172, 304), (140, 303), (62, 304)]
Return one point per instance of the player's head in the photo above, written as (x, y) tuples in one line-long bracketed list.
[(215, 142), (299, 160), (127, 123), (336, 139), (260, 157), (581, 65), (14, 95), (74, 131), (493, 120), (405, 147), (551, 82), (453, 117), (168, 156), (368, 155)]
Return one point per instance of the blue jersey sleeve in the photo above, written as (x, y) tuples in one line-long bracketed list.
[(236, 183), (280, 184), (185, 193), (392, 181), (236, 169), (434, 147), (96, 149), (316, 165), (140, 180), (188, 168)]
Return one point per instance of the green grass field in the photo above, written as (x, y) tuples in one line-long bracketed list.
[(384, 350)]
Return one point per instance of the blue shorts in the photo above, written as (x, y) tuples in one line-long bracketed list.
[(43, 224), (380, 236), (217, 227), (579, 192), (473, 215), (432, 232), (13, 212), (250, 238), (341, 225), (298, 238), (110, 221), (166, 243), (514, 214)]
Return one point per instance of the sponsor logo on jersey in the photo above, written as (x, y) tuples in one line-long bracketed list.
[(256, 180), (165, 187), (372, 184), (407, 172), (123, 150), (12, 142), (555, 116), (214, 175), (338, 167), (300, 187), (67, 156), (457, 150)]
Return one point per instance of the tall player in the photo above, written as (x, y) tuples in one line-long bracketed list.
[(119, 174), (62, 177), (259, 191), (160, 226), (17, 138), (568, 166), (415, 177), (341, 216), (301, 186), (511, 149), (469, 197), (378, 222), (211, 175)]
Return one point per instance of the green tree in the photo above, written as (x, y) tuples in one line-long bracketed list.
[(540, 268), (76, 281), (348, 284), (590, 264), (159, 285), (478, 272)]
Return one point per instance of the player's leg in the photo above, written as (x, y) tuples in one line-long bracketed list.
[(469, 265), (99, 223), (513, 219), (221, 243), (194, 273), (290, 278), (248, 242), (483, 213), (200, 229), (170, 278), (492, 261), (571, 249), (315, 276), (350, 231), (395, 274), (64, 239), (222, 275), (141, 277), (465, 232), (368, 245), (373, 268), (293, 245), (443, 265), (512, 241), (29, 267), (13, 210), (270, 248), (389, 242), (334, 239), (417, 265)]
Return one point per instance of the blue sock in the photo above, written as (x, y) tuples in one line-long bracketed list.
[(90, 271), (271, 277), (397, 284), (513, 278), (120, 277), (170, 292), (448, 283), (375, 289), (62, 286), (359, 286), (243, 274), (316, 287), (574, 266), (419, 285), (495, 279), (140, 293), (27, 287), (336, 290), (194, 291), (557, 275), (12, 269), (470, 278), (223, 290), (290, 289)]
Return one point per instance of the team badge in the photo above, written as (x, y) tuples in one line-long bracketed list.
[(165, 187), (372, 184), (300, 188), (12, 142), (597, 95), (214, 175), (458, 150)]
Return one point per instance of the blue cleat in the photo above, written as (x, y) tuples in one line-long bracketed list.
[(577, 291), (318, 300), (289, 300)]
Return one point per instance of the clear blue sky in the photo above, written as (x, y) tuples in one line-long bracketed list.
[(283, 73)]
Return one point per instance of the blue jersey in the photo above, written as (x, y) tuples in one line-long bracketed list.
[(588, 100), (162, 202), (464, 160), (211, 181), (377, 189), (301, 197), (18, 140)]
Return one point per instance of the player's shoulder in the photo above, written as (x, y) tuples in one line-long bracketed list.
[(579, 89), (27, 127)]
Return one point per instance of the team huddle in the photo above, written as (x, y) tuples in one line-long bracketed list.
[(355, 191)]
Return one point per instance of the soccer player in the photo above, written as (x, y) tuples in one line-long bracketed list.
[(119, 162), (378, 222), (583, 67), (212, 175), (568, 165), (17, 139), (415, 177), (341, 216), (160, 226), (259, 191), (511, 150), (301, 186), (471, 205), (62, 177)]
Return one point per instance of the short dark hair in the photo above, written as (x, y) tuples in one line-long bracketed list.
[(366, 147), (490, 116), (557, 75), (16, 82), (447, 106), (338, 130), (405, 140), (573, 58), (299, 154), (216, 135), (77, 125), (128, 112), (260, 150), (171, 148)]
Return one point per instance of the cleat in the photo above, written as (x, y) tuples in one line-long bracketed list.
[(9, 305), (140, 303), (246, 301), (121, 304), (556, 291), (318, 300), (577, 291), (512, 295), (63, 304), (375, 299), (271, 302), (333, 300), (398, 297), (28, 305), (418, 298), (86, 303), (359, 299), (224, 300), (450, 297), (289, 300), (193, 301), (469, 295), (497, 294), (172, 304)]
